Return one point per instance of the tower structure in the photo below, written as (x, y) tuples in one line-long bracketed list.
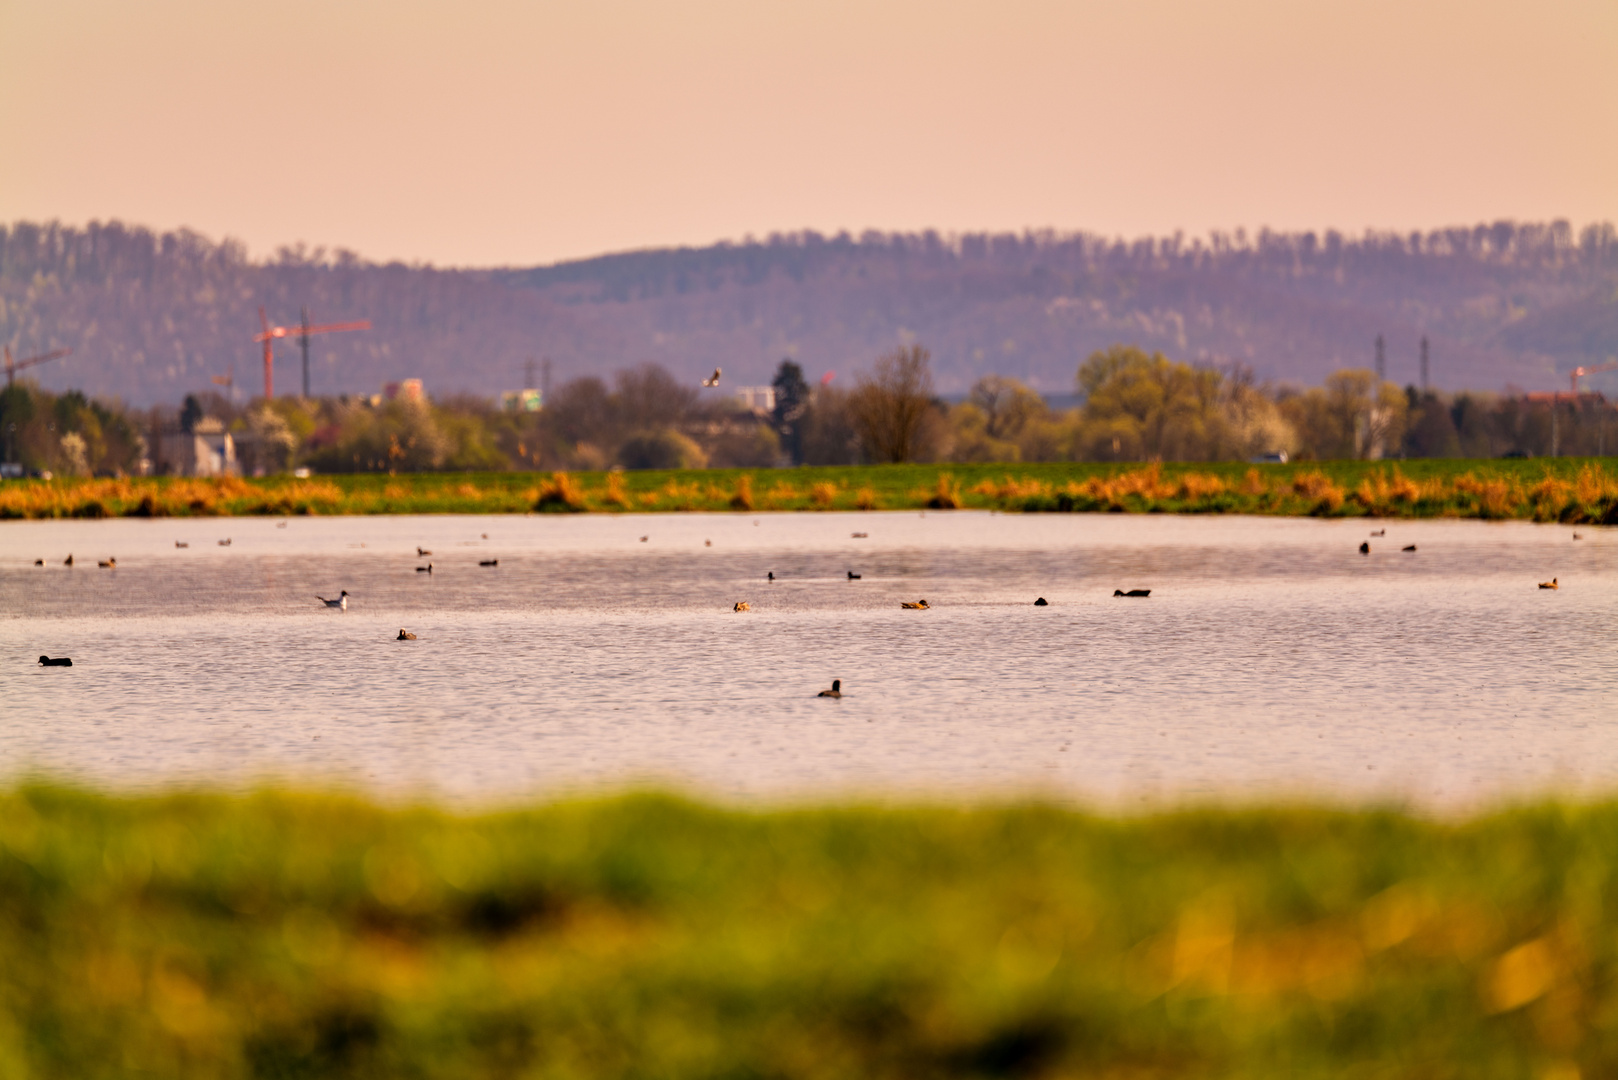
[(1425, 385), (1381, 359)]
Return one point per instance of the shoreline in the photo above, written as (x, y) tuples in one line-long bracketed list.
[(1572, 491)]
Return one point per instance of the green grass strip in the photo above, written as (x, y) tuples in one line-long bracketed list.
[(292, 935)]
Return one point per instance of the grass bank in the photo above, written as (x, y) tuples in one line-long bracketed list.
[(1574, 490), (284, 935)]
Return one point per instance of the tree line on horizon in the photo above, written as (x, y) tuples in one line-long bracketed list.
[(1135, 407), (153, 316)]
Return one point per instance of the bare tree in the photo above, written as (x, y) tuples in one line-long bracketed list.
[(890, 405)]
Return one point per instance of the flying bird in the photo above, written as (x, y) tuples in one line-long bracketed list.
[(712, 380)]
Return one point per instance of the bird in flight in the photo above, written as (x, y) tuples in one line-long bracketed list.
[(712, 380)]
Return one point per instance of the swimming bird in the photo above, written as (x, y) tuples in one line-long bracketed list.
[(707, 543), (1380, 532), (225, 542), (425, 569), (60, 661), (1041, 602), (485, 536), (39, 562), (489, 562), (852, 576), (1576, 536), (919, 605), (1132, 592), (405, 635), (68, 561), (644, 539), (859, 536), (182, 543), (341, 603), (280, 524), (1551, 584), (110, 564), (835, 691), (742, 605), (712, 380), (1411, 547), (770, 576), (422, 553), (1365, 548)]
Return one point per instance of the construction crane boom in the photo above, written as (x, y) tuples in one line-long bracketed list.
[(12, 367), (1579, 372), (302, 331)]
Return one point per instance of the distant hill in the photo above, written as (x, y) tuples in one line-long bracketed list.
[(152, 316)]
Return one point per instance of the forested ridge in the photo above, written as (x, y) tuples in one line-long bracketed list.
[(152, 316)]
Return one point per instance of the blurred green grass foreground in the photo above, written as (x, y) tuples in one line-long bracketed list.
[(287, 935)]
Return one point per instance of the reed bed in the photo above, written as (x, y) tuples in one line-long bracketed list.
[(280, 934), (1569, 490)]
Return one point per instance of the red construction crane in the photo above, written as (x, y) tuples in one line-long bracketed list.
[(302, 331), (1580, 372), (13, 368)]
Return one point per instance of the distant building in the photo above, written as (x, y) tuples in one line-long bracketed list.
[(403, 390), (760, 399), (206, 450), (529, 400)]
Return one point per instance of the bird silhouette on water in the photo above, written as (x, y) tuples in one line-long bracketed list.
[(770, 576), (60, 661), (1365, 548), (489, 562), (1041, 602), (68, 561), (225, 542), (1380, 532), (1408, 547), (835, 691), (742, 605), (1132, 592), (425, 569), (1551, 584), (422, 553), (852, 576), (39, 562), (405, 635), (181, 543), (341, 603), (110, 564)]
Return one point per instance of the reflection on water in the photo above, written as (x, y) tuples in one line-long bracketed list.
[(1271, 656)]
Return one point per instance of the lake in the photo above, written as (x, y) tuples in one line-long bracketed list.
[(1271, 659)]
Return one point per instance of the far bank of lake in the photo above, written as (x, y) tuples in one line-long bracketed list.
[(1569, 490)]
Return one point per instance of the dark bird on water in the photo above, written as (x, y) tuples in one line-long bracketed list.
[(644, 539), (1409, 547), (1551, 584), (1041, 602), (60, 661), (1365, 548), (68, 561), (1576, 536), (859, 536), (489, 562), (1380, 532), (181, 543), (1132, 592), (422, 553), (707, 543), (110, 564), (919, 605), (835, 691), (770, 576), (225, 542), (405, 635), (341, 603), (852, 576), (425, 569), (39, 562)]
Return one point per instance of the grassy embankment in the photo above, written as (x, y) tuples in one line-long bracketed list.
[(1554, 489), (279, 935)]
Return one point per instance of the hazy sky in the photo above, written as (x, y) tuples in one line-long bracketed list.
[(509, 132)]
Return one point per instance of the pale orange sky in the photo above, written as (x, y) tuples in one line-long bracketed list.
[(490, 132)]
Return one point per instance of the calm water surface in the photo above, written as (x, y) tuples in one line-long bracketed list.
[(1271, 658)]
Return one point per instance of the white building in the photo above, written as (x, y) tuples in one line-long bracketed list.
[(760, 399), (207, 450)]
